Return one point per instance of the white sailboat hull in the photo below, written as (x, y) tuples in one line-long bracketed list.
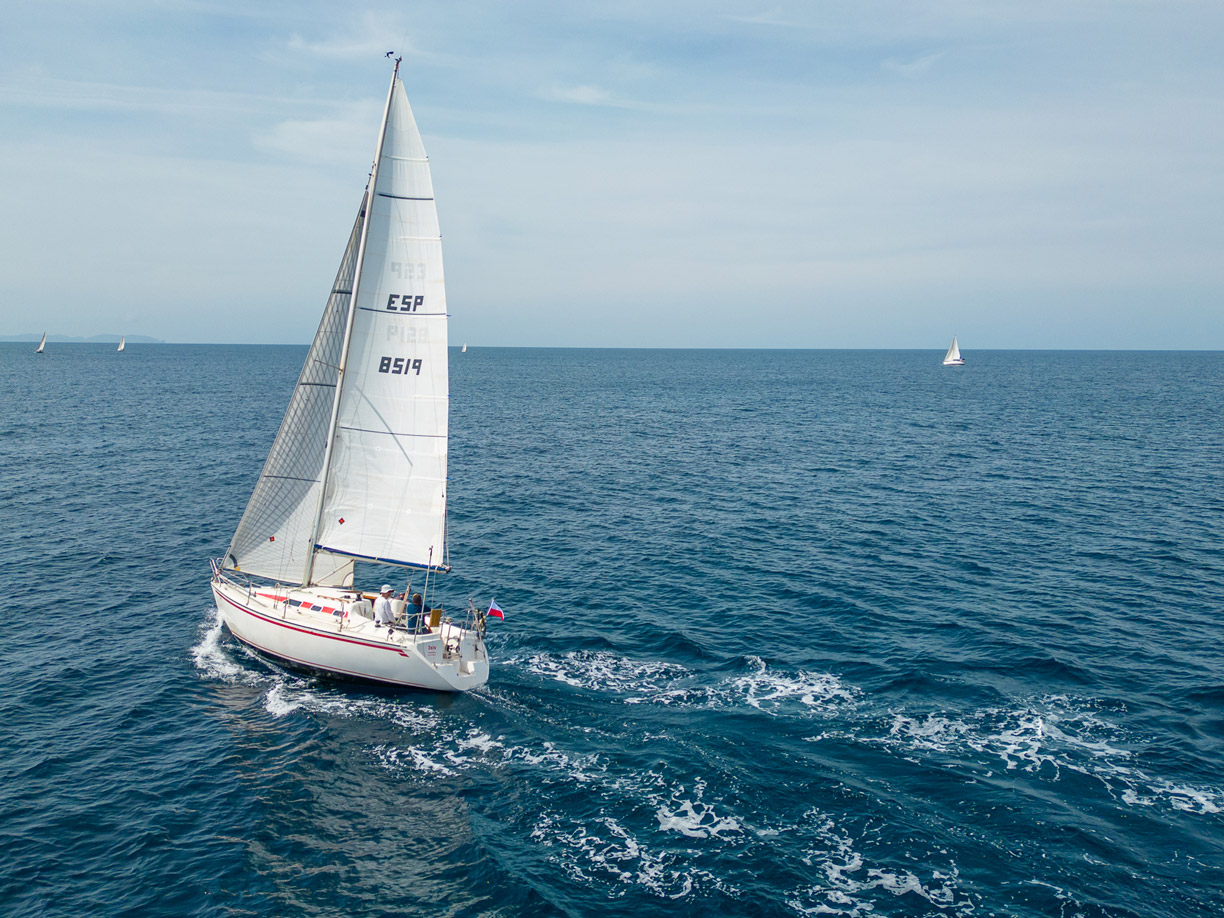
[(280, 623), (954, 362)]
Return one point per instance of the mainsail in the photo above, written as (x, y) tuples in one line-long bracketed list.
[(953, 352), (374, 387)]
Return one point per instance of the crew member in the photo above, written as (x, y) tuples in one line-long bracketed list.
[(382, 606)]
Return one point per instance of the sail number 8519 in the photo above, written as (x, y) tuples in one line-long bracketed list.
[(401, 366)]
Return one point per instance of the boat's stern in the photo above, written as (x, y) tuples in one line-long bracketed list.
[(455, 654)]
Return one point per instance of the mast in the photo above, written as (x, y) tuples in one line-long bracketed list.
[(348, 330)]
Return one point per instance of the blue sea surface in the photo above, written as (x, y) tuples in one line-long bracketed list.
[(788, 633)]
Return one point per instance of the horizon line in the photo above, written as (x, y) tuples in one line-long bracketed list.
[(97, 339)]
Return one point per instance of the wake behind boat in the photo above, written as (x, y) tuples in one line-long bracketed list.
[(358, 468), (953, 358)]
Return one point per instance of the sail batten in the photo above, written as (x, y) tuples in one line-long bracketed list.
[(393, 433)]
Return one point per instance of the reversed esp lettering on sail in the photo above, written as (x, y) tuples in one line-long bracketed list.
[(406, 333), (407, 302), (400, 366), (408, 270)]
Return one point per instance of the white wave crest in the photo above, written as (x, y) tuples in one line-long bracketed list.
[(278, 702), (1045, 739), (695, 818), (774, 691), (411, 758), (1028, 739), (603, 852), (688, 821), (211, 659), (1187, 798), (603, 671), (583, 769), (849, 881)]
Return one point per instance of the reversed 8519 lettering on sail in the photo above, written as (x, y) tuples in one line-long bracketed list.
[(399, 365)]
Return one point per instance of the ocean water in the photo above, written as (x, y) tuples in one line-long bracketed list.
[(787, 633)]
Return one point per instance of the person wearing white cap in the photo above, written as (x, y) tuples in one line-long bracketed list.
[(382, 606)]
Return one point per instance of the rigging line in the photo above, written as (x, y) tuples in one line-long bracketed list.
[(403, 42)]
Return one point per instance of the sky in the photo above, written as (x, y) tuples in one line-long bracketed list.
[(816, 174)]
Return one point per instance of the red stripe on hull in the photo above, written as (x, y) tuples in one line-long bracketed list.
[(313, 633)]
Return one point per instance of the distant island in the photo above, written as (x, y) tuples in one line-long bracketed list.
[(96, 339)]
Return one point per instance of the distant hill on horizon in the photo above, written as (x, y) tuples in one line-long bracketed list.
[(95, 339)]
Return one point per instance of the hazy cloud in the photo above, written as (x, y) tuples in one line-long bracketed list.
[(914, 67), (330, 141)]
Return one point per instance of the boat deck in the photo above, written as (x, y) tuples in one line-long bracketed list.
[(334, 613)]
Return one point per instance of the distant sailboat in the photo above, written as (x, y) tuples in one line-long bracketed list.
[(42, 344), (122, 342), (953, 358), (463, 350)]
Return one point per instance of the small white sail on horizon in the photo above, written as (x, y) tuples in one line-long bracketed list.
[(122, 341), (463, 350), (953, 358), (41, 344), (358, 469)]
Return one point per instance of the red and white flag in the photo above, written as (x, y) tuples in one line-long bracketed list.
[(495, 610)]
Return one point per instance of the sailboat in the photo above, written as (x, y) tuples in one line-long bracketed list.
[(463, 350), (41, 344), (953, 358), (122, 342), (357, 471)]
